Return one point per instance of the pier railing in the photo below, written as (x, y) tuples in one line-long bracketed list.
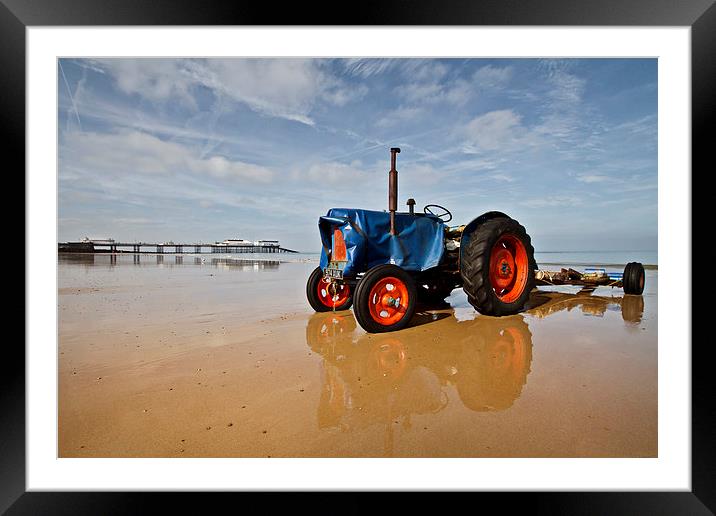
[(166, 248)]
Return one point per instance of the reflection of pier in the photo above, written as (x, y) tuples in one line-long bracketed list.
[(238, 263), (111, 259), (109, 246)]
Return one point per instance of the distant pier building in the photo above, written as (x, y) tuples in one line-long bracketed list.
[(239, 245)]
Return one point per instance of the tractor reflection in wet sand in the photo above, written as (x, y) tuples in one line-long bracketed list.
[(382, 262)]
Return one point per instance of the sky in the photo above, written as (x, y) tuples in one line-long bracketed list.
[(201, 150)]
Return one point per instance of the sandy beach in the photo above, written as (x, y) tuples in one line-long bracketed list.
[(205, 356)]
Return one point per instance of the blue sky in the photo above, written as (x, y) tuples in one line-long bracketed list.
[(207, 149)]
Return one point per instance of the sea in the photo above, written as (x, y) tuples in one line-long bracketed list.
[(615, 260)]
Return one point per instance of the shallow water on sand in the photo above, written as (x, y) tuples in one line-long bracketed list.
[(219, 356)]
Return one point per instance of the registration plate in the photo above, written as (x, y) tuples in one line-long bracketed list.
[(334, 270)]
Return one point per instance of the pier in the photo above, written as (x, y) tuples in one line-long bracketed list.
[(165, 248)]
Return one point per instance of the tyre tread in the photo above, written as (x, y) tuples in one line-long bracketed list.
[(474, 265)]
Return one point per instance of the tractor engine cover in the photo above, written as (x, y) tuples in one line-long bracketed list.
[(417, 245)]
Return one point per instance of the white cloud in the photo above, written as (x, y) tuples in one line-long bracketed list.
[(430, 83), (415, 69), (138, 221), (592, 178), (368, 67), (133, 152), (552, 200), (502, 177), (564, 124), (284, 88), (424, 69), (565, 118), (154, 79), (221, 167), (427, 82), (333, 173), (340, 95), (457, 92), (644, 126), (99, 110), (417, 176), (75, 98), (567, 89), (349, 179), (497, 130), (490, 77), (399, 116)]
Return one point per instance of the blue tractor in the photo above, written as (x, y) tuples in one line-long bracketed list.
[(383, 262)]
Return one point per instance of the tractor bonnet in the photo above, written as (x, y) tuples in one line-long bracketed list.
[(417, 245)]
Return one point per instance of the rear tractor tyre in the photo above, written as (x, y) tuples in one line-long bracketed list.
[(633, 279), (324, 296), (497, 266), (385, 299)]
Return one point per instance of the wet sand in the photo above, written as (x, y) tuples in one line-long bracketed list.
[(224, 358)]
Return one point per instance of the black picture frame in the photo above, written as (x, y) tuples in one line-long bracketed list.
[(700, 15)]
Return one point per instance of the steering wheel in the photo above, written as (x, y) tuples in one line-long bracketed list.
[(440, 212)]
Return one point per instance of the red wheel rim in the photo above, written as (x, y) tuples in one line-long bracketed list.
[(388, 359), (508, 351), (388, 301), (508, 268), (332, 294)]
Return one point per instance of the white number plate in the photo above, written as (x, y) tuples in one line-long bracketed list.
[(334, 270)]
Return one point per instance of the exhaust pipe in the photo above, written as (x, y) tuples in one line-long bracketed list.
[(393, 189)]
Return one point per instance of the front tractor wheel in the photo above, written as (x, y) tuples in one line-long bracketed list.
[(324, 296), (385, 299), (497, 267)]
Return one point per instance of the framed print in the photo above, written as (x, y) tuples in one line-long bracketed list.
[(181, 166)]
